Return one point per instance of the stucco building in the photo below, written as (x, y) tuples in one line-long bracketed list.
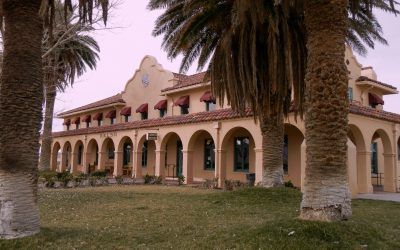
[(169, 124)]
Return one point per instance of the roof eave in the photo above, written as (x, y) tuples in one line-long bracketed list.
[(64, 115)]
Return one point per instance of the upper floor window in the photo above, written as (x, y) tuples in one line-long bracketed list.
[(68, 127), (241, 153), (88, 124), (112, 121), (350, 94), (163, 112), (144, 115), (126, 112), (67, 123), (374, 100), (112, 115), (184, 110), (77, 126), (183, 102), (162, 107), (127, 118), (209, 99), (143, 110), (87, 120), (209, 155), (99, 123), (210, 106), (77, 122), (99, 118)]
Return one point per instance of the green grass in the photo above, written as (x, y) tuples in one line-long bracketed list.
[(154, 217)]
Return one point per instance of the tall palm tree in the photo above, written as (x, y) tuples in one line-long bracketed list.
[(21, 94), (222, 30), (256, 50), (72, 51)]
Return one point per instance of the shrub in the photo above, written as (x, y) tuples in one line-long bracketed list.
[(232, 184), (158, 180), (148, 179), (181, 179), (119, 179), (64, 177), (289, 184), (80, 177), (99, 174), (48, 176)]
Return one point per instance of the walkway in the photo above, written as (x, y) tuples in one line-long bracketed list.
[(384, 196)]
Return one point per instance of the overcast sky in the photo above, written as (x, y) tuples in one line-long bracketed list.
[(122, 50)]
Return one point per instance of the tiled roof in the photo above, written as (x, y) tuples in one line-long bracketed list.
[(210, 116), (216, 115), (364, 78), (107, 101), (186, 81)]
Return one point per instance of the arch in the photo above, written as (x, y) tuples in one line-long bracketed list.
[(292, 154), (55, 156), (78, 158), (382, 162), (107, 156), (92, 156), (172, 145), (237, 155), (201, 156), (145, 163), (125, 156), (66, 157), (356, 136)]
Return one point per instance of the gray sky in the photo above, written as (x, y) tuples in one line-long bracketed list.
[(122, 50)]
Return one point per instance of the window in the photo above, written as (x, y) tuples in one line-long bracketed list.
[(80, 154), (143, 115), (374, 158), (241, 154), (144, 154), (112, 121), (350, 94), (88, 124), (127, 118), (68, 127), (210, 106), (163, 112), (184, 110), (285, 154), (127, 153), (209, 155), (111, 153), (77, 125), (99, 123)]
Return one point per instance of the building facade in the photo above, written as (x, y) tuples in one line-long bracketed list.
[(169, 124)]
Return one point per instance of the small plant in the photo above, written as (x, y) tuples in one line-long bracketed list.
[(99, 174), (80, 177), (158, 180), (119, 179), (64, 177), (148, 179), (215, 183), (289, 184), (181, 179), (49, 177), (228, 185)]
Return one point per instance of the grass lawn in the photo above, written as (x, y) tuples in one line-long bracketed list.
[(155, 217)]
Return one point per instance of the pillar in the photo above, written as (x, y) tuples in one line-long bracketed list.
[(137, 164), (258, 164), (221, 170), (160, 163), (74, 163), (63, 163), (389, 177), (102, 161), (187, 167), (364, 172), (118, 155), (86, 162)]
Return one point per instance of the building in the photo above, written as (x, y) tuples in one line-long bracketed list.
[(169, 124)]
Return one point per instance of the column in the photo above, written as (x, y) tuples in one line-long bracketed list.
[(74, 163), (389, 177), (259, 164), (364, 172), (221, 170), (63, 162), (137, 164), (118, 163), (102, 161), (160, 163), (187, 167), (86, 162)]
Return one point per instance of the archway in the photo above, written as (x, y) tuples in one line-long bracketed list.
[(358, 161), (66, 157), (238, 156), (107, 156), (92, 156), (77, 159), (292, 154), (173, 148), (56, 157), (382, 162), (145, 158), (125, 157), (201, 153)]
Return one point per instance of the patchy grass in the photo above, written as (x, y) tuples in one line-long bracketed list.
[(154, 217)]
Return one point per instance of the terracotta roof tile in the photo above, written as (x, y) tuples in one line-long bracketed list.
[(186, 81), (210, 116), (107, 101), (364, 78)]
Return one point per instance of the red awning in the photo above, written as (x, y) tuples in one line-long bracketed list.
[(111, 114), (67, 122), (207, 97), (77, 120), (161, 105), (87, 118), (143, 108), (126, 111), (375, 99), (182, 101), (98, 117)]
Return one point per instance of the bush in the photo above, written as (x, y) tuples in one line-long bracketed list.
[(148, 179), (64, 177), (158, 180), (232, 184), (80, 177), (99, 174), (181, 179), (289, 184), (119, 179), (48, 176)]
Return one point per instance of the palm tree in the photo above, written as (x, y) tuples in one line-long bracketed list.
[(21, 94), (72, 50), (228, 33), (255, 61)]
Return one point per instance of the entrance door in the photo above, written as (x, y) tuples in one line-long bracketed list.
[(179, 158)]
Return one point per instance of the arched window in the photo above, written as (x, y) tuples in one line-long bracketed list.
[(241, 154), (127, 153), (209, 155), (80, 155), (144, 154)]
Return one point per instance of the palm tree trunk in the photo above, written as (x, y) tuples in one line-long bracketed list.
[(45, 153), (20, 115), (272, 142), (326, 195)]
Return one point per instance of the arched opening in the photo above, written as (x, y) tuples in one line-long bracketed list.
[(292, 154), (358, 162), (146, 157), (201, 153), (78, 165), (238, 156), (92, 156), (173, 147), (382, 164), (56, 157), (66, 156), (125, 161), (107, 156)]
